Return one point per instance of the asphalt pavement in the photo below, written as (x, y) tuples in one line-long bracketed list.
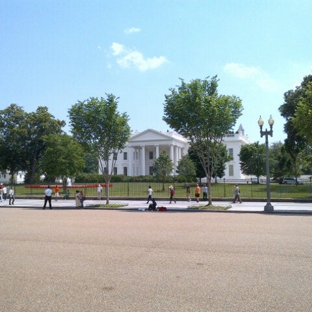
[(180, 205)]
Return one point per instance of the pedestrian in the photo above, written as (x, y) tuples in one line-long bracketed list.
[(150, 192), (47, 197), (1, 191), (77, 199), (197, 192), (153, 205), (56, 192), (172, 193), (237, 195), (99, 191), (11, 196), (82, 199), (4, 189), (205, 190), (188, 192)]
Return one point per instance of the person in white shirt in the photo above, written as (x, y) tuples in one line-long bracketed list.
[(150, 193), (99, 191), (47, 197), (11, 196), (4, 192)]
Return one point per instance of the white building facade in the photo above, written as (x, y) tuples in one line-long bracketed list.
[(143, 148), (18, 178)]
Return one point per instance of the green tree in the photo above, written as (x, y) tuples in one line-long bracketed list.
[(186, 168), (296, 126), (11, 153), (35, 128), (92, 163), (63, 157), (162, 167), (97, 124), (253, 159), (222, 158), (302, 120), (22, 138), (196, 111), (281, 164)]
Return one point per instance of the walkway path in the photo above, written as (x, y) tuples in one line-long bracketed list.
[(293, 207)]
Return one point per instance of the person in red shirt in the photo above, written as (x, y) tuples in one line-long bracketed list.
[(56, 192), (197, 193)]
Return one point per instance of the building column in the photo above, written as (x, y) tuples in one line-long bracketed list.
[(157, 151), (176, 158), (171, 153), (143, 159), (130, 152)]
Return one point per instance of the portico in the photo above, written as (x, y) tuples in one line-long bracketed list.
[(144, 148)]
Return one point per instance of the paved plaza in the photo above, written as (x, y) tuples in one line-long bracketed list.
[(180, 205), (129, 260)]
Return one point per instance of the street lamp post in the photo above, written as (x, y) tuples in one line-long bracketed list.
[(268, 207)]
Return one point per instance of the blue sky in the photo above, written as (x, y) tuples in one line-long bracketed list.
[(54, 53)]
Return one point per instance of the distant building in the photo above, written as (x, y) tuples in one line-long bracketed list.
[(143, 148), (18, 177)]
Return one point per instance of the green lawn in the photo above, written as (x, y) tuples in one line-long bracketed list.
[(220, 190)]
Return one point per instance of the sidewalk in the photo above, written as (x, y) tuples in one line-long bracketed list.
[(279, 207)]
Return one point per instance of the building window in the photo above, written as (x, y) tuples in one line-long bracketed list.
[(151, 155), (115, 170), (125, 171), (231, 170), (231, 152), (125, 155), (115, 156)]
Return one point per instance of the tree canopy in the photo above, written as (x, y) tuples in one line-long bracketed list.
[(22, 138), (63, 157), (302, 119), (196, 111), (253, 159), (162, 167), (97, 124), (296, 111), (186, 168)]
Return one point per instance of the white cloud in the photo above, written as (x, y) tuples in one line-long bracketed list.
[(132, 30), (128, 58), (255, 74), (117, 48)]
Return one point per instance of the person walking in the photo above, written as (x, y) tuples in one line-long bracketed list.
[(1, 192), (171, 192), (197, 193), (11, 196), (99, 191), (77, 199), (47, 197), (205, 190), (4, 190), (150, 192), (82, 199), (56, 192), (237, 195)]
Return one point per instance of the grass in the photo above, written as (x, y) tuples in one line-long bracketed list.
[(211, 207), (220, 190), (113, 206)]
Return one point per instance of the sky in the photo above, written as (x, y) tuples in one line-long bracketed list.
[(55, 53)]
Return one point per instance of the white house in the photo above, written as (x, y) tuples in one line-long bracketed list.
[(18, 178), (143, 148)]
